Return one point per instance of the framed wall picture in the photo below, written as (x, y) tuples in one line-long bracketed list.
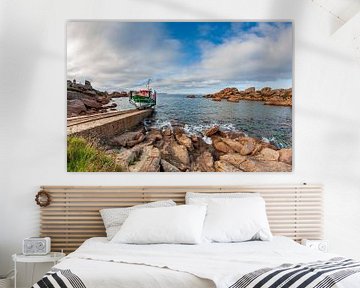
[(179, 96)]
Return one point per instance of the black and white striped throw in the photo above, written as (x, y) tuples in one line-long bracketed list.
[(320, 274), (58, 278)]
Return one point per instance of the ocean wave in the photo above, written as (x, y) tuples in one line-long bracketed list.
[(195, 128), (199, 129)]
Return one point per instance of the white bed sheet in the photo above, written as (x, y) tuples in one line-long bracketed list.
[(100, 263)]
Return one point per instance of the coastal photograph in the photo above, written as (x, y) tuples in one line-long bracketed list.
[(179, 96)]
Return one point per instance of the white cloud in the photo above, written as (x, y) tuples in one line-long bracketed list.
[(118, 55), (252, 57)]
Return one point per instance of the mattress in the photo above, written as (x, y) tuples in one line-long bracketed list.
[(99, 263)]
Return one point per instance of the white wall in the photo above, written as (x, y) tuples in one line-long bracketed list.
[(32, 118)]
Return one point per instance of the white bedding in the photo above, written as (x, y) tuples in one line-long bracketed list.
[(100, 263)]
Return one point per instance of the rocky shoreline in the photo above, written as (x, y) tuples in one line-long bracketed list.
[(83, 99), (277, 97), (171, 149)]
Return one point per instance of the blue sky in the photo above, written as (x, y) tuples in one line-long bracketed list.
[(190, 33), (180, 57)]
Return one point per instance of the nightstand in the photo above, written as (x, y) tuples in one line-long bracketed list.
[(52, 257), (320, 245)]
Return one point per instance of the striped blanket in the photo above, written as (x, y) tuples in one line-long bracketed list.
[(57, 278), (320, 274)]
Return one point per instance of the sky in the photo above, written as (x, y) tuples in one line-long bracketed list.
[(180, 57)]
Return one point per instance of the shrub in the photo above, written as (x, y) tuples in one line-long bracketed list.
[(84, 156)]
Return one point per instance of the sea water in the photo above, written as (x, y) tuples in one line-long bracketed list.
[(270, 123)]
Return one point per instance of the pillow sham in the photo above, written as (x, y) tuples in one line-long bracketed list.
[(236, 220), (171, 225), (204, 198), (113, 218)]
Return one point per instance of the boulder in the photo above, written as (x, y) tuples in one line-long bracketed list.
[(194, 138), (248, 145), (176, 155), (167, 167), (211, 131), (183, 139), (178, 130), (128, 139), (180, 153), (254, 165), (204, 163), (72, 95), (266, 91), (279, 97), (167, 131), (91, 93), (110, 106), (234, 159), (235, 134), (88, 85), (91, 103), (75, 107), (136, 141), (200, 145), (221, 146), (153, 135), (222, 134), (190, 96), (116, 94), (258, 148), (268, 154), (272, 166), (228, 92), (250, 90), (285, 155), (234, 145), (223, 166), (149, 161), (288, 92), (233, 99), (103, 99), (279, 102), (128, 157), (248, 165)]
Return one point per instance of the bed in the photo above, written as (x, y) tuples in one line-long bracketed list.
[(294, 211), (99, 263)]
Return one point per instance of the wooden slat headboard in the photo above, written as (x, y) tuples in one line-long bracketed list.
[(73, 215)]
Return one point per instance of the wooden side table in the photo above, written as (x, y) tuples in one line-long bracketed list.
[(52, 257)]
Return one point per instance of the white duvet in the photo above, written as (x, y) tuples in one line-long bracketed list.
[(100, 263)]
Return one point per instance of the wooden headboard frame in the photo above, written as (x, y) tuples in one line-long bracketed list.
[(73, 215)]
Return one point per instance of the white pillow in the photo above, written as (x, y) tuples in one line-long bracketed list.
[(204, 198), (113, 218), (236, 220), (173, 225)]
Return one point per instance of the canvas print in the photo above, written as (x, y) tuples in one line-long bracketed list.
[(179, 96)]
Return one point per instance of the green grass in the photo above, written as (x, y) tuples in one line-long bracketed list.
[(83, 156)]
